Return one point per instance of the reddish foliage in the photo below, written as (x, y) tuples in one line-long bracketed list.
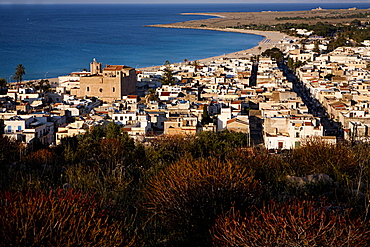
[(189, 195), (60, 218), (40, 158), (296, 223)]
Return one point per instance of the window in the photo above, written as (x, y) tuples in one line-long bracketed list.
[(280, 145), (297, 144), (297, 134), (114, 89), (9, 129), (19, 127), (88, 89), (100, 90)]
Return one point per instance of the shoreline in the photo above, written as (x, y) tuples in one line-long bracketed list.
[(271, 39)]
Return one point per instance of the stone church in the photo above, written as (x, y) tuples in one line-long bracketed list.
[(109, 83)]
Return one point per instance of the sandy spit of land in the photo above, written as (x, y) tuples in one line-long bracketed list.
[(221, 21), (271, 39)]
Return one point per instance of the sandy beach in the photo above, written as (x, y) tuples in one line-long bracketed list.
[(271, 39), (221, 21)]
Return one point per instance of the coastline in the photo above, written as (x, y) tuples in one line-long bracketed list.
[(271, 39), (222, 20)]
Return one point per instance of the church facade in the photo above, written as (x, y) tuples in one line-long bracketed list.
[(109, 83)]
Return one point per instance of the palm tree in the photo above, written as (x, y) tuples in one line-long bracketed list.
[(19, 72), (152, 95)]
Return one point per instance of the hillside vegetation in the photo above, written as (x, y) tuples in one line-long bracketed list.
[(103, 189)]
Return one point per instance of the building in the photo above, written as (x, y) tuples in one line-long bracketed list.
[(182, 124), (108, 84)]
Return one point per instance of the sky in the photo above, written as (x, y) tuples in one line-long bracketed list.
[(170, 1)]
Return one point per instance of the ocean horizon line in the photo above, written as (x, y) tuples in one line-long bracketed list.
[(198, 3), (56, 39)]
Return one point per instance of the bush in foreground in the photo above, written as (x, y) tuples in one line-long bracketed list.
[(60, 218), (296, 223), (188, 196)]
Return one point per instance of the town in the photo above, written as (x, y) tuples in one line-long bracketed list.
[(267, 146), (293, 91)]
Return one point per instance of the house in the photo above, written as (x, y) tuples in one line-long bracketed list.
[(70, 130), (182, 124), (28, 128), (238, 124), (286, 132)]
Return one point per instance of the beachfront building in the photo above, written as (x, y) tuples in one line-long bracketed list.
[(108, 84)]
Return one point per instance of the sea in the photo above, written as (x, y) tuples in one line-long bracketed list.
[(54, 40)]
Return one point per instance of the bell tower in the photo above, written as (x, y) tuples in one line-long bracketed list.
[(95, 67)]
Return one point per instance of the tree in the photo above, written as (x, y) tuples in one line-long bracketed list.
[(113, 130), (356, 23), (30, 84), (205, 116), (20, 71), (152, 95), (291, 63), (196, 65), (328, 76), (44, 85), (167, 76), (316, 47), (303, 43), (274, 53), (2, 83)]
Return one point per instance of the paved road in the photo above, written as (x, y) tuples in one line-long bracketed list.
[(331, 128)]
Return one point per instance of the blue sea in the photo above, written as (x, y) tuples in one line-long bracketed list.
[(53, 40)]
